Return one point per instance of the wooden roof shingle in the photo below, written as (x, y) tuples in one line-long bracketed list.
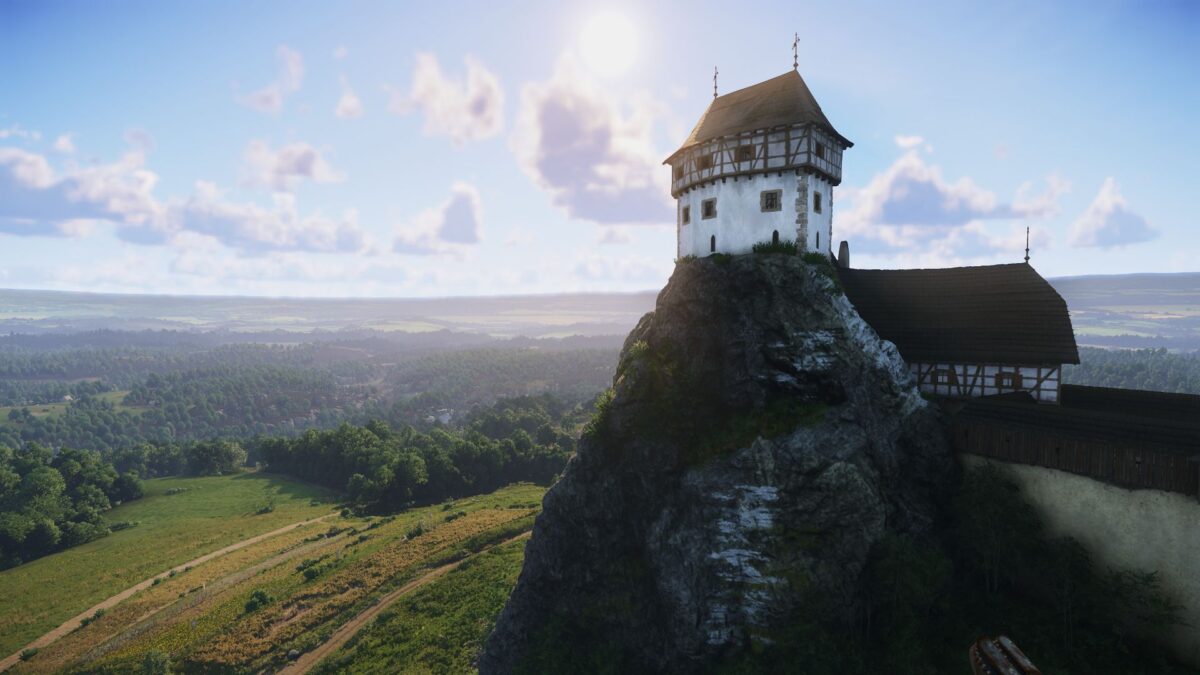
[(781, 101), (988, 314)]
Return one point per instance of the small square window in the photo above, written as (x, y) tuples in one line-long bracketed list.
[(817, 202), (686, 215), (704, 161), (708, 208), (771, 200), (820, 150), (745, 153), (944, 376), (1009, 381)]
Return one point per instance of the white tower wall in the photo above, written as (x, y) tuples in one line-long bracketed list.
[(740, 222)]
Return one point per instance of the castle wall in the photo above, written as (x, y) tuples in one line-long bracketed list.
[(740, 221), (1149, 530)]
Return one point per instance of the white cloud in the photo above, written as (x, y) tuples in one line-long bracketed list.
[(465, 111), (35, 200), (340, 52), (349, 106), (613, 235), (911, 207), (596, 160), (445, 229), (909, 142), (253, 228), (1108, 222), (283, 169), (291, 73), (64, 144), (17, 131)]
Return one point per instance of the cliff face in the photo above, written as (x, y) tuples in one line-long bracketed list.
[(760, 439)]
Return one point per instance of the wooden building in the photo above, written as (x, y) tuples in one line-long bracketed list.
[(759, 166), (1133, 439), (970, 331)]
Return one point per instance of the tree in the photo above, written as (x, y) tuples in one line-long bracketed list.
[(215, 458)]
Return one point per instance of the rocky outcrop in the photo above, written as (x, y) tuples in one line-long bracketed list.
[(759, 440)]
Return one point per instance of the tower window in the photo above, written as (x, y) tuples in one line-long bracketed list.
[(818, 246), (771, 200), (745, 153), (704, 161), (712, 244), (817, 202), (819, 151), (685, 215), (775, 238), (708, 208), (677, 172)]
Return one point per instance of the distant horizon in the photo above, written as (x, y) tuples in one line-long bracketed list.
[(235, 296)]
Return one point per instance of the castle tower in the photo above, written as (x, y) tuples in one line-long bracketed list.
[(759, 166)]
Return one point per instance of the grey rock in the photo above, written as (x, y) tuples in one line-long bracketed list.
[(670, 540)]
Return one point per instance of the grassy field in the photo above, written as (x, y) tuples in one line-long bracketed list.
[(208, 514), (117, 398), (315, 580), (439, 628)]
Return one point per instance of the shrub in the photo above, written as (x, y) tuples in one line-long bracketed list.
[(784, 247), (175, 491), (156, 663), (720, 258), (416, 531), (27, 654), (266, 508), (455, 516), (123, 525), (258, 599), (685, 260)]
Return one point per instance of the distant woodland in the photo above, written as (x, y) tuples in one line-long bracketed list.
[(386, 420)]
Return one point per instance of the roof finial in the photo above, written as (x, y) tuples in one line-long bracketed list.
[(795, 51), (1027, 245), (714, 81)]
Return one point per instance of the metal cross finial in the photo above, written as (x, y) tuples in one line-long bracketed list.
[(795, 51), (714, 81), (1027, 245)]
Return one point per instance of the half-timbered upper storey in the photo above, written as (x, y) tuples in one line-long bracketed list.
[(970, 331), (773, 126)]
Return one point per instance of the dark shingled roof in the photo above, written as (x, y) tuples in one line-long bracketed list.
[(778, 102), (990, 314)]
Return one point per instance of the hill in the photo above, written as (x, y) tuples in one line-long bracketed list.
[(272, 600)]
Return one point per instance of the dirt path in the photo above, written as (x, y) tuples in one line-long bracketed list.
[(347, 630), (74, 622)]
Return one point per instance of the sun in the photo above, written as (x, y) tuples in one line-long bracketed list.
[(607, 44)]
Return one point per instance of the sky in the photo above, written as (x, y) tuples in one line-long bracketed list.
[(456, 148)]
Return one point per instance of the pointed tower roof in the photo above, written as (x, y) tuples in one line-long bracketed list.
[(778, 102)]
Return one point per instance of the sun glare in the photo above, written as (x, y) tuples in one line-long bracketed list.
[(607, 44)]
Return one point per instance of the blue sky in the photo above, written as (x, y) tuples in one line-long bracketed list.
[(430, 149)]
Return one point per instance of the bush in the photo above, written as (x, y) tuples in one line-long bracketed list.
[(27, 654), (455, 516), (784, 247), (416, 531), (123, 525), (175, 491), (258, 599), (156, 663)]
